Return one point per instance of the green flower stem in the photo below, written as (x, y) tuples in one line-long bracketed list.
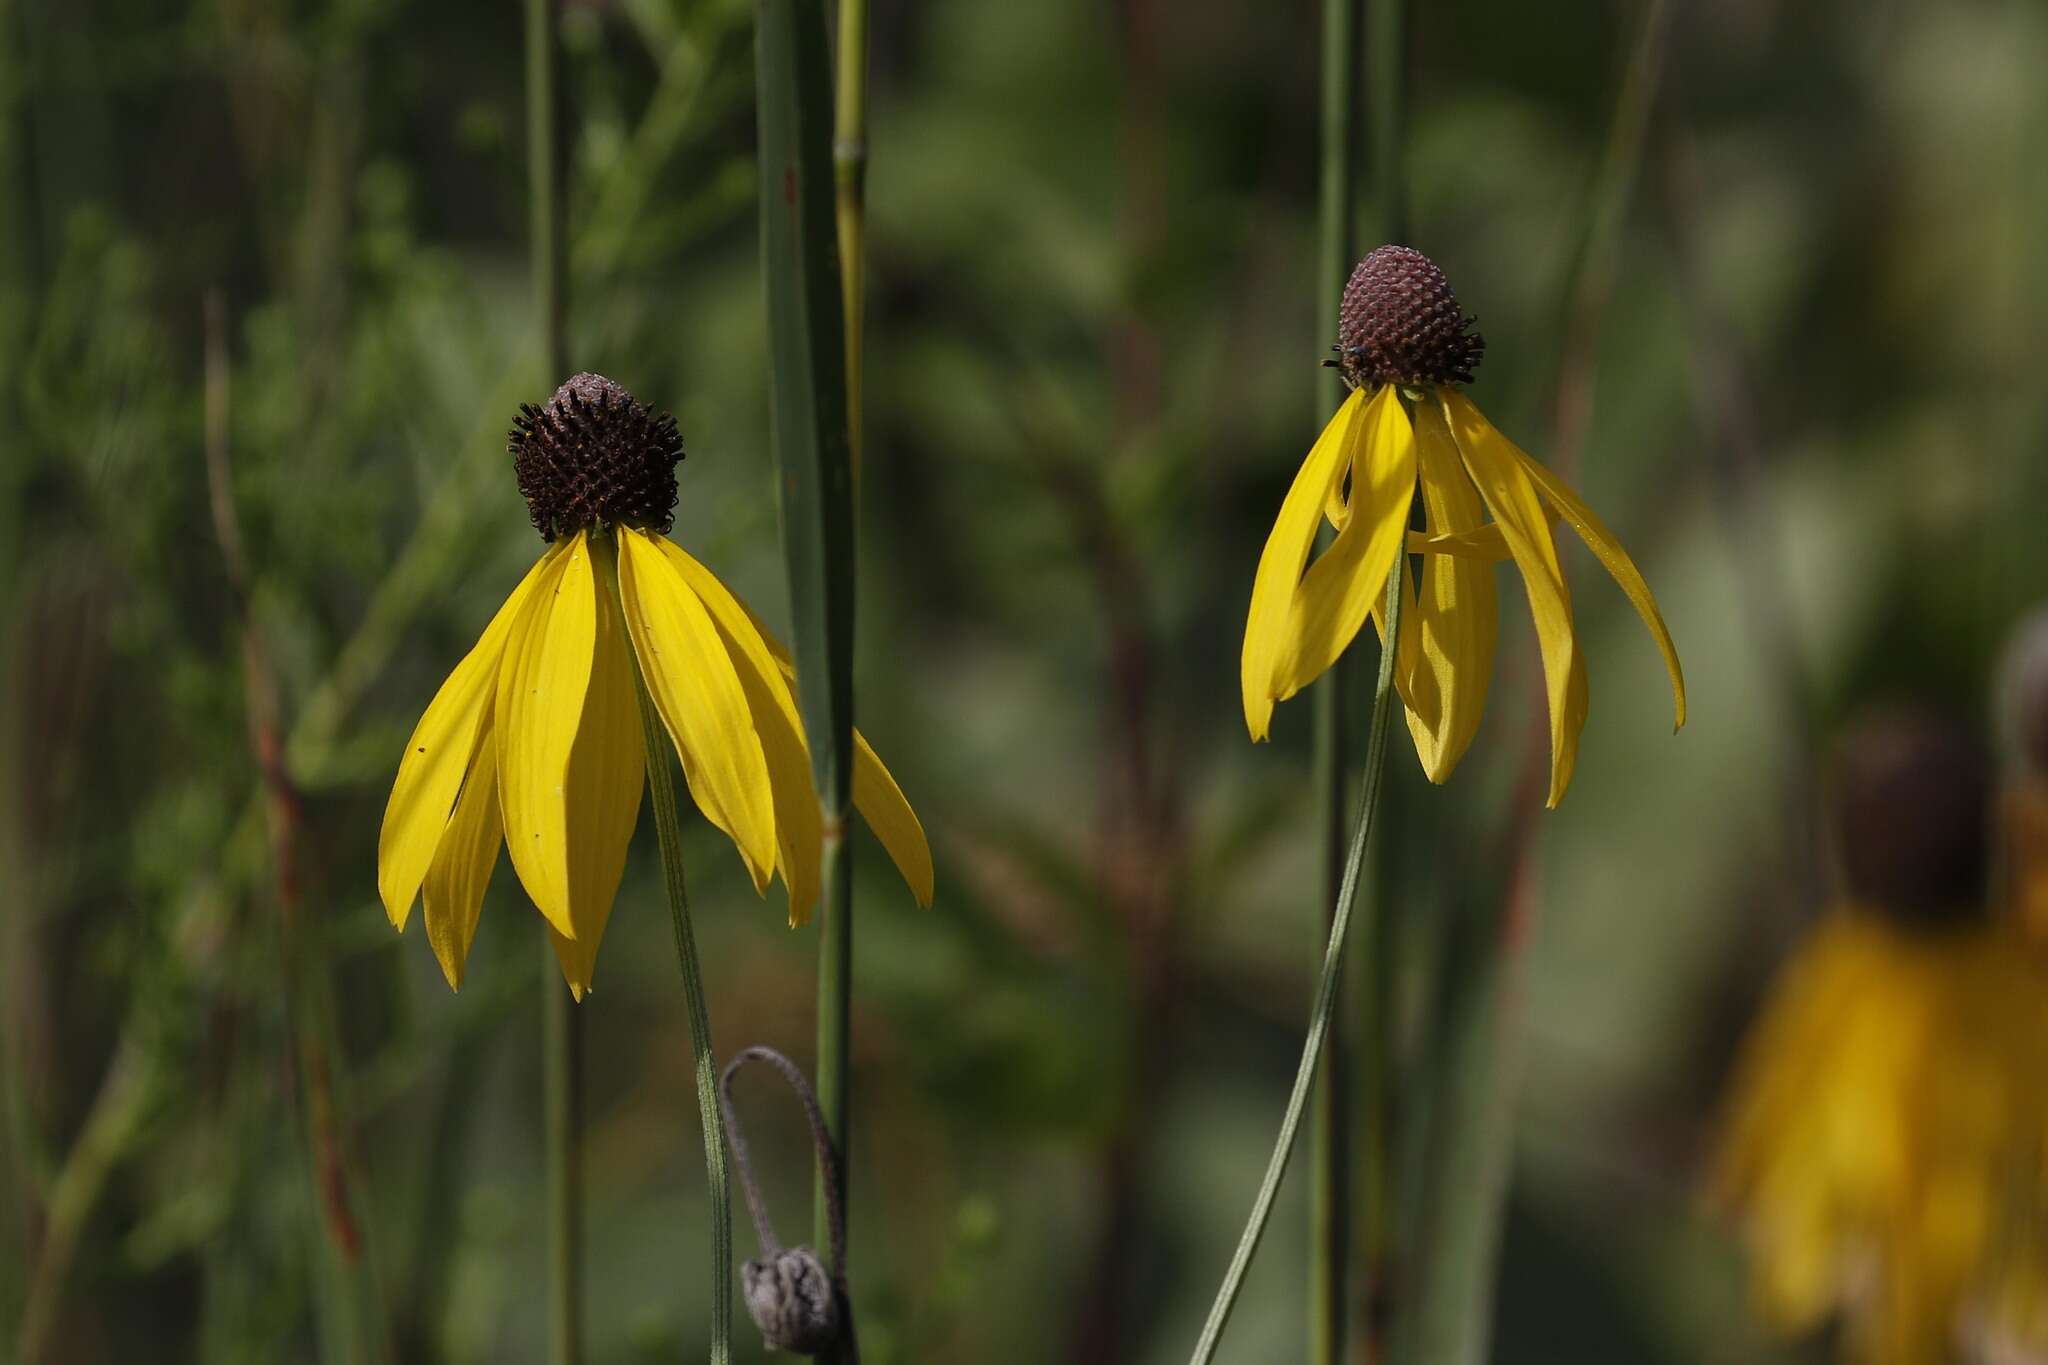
[(808, 383), (562, 1066), (561, 1022), (1377, 1140), (1329, 1128), (661, 787), (835, 947), (1326, 985)]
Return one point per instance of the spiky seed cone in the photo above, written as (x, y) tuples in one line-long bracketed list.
[(1399, 324), (595, 457), (1912, 793)]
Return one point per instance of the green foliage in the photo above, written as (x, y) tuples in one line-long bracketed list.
[(1092, 349)]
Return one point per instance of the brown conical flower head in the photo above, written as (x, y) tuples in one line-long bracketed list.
[(595, 457), (1400, 324), (1912, 807)]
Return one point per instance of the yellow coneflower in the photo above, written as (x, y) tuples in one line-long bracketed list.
[(1888, 1121), (534, 741), (1403, 347)]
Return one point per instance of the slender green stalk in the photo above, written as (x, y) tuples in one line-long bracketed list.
[(807, 333), (850, 178), (1386, 41), (835, 948), (562, 1065), (547, 154), (1330, 1125), (661, 789), (561, 1022), (1326, 985)]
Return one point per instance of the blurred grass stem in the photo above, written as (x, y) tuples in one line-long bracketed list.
[(1326, 985), (1474, 1061), (561, 1023), (345, 1296), (1330, 1127)]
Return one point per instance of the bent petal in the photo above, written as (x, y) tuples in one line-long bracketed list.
[(541, 689), (876, 795), (1615, 560), (1511, 498), (882, 804), (453, 894), (1338, 592), (797, 833), (1457, 615), (441, 750), (691, 677), (1482, 543), (1280, 563)]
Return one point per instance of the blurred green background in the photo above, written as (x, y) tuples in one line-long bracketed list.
[(1786, 339)]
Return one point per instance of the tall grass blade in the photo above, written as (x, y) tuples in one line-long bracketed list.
[(814, 453)]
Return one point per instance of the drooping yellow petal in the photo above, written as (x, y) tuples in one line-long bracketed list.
[(541, 687), (1287, 547), (882, 804), (880, 801), (775, 722), (1608, 550), (1503, 482), (690, 675), (453, 894), (1340, 588), (1456, 615), (876, 795), (443, 744), (607, 773)]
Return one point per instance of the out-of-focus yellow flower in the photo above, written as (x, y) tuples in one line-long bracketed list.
[(1403, 346), (1886, 1138), (534, 742), (1886, 1145)]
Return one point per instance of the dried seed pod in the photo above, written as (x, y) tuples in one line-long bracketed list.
[(791, 1299)]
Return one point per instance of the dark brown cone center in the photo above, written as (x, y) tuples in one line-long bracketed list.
[(1399, 323), (595, 457)]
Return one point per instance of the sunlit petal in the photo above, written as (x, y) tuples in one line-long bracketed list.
[(440, 752), (1511, 498), (797, 833), (1340, 588), (1287, 547), (691, 677), (882, 804), (540, 699), (453, 894), (607, 773), (1608, 550), (876, 795), (1456, 615)]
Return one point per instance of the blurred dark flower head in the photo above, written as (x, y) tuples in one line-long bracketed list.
[(2023, 691), (1911, 813)]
